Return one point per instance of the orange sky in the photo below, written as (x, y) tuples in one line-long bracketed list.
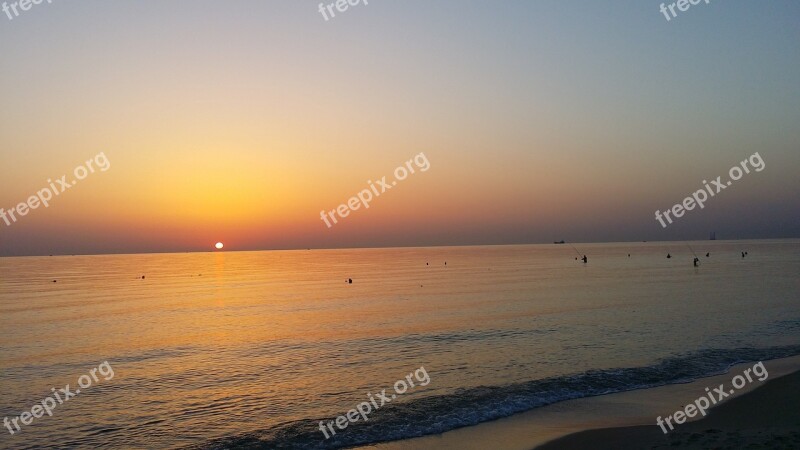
[(242, 125)]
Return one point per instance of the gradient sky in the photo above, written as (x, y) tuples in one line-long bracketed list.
[(239, 121)]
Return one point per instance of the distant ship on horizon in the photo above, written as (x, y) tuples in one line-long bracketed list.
[(713, 236)]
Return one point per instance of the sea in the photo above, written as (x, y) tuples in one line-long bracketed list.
[(234, 350)]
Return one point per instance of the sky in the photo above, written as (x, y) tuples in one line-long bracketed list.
[(241, 121)]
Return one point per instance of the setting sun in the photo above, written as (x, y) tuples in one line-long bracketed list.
[(219, 245)]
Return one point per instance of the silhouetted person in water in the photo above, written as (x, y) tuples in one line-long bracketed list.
[(669, 256), (696, 260), (349, 281), (708, 254), (742, 254), (585, 260)]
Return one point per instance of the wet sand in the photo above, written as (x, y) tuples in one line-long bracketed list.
[(768, 417), (628, 419)]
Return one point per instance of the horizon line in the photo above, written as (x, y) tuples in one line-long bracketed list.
[(388, 247)]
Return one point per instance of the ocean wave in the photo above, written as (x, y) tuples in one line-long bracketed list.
[(465, 407)]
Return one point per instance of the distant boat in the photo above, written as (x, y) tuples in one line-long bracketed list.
[(559, 242), (713, 236)]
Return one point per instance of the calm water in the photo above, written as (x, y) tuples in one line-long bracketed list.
[(230, 349)]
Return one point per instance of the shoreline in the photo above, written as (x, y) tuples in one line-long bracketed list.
[(764, 418), (623, 417)]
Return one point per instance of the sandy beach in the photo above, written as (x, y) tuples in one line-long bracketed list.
[(765, 418), (764, 414)]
